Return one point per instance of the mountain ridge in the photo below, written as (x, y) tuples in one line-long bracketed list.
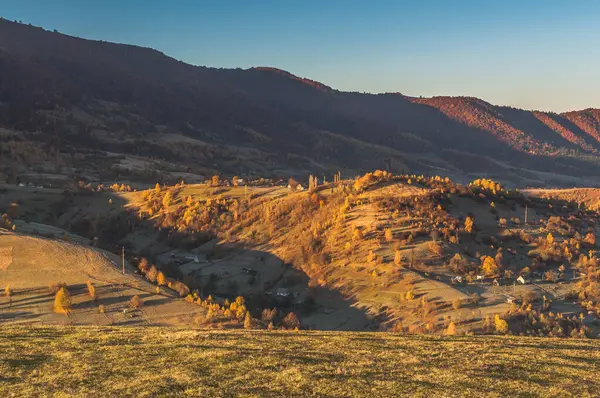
[(52, 86)]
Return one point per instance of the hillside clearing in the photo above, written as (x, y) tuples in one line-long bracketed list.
[(82, 361)]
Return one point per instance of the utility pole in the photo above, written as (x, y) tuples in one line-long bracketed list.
[(515, 288), (123, 258), (526, 214)]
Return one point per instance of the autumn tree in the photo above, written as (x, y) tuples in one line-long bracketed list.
[(488, 266), (590, 238), (389, 236), (398, 258), (8, 293), (451, 330), (549, 239), (291, 321), (136, 302), (248, 320), (500, 325), (62, 301), (215, 180), (456, 303), (144, 265), (469, 224), (161, 279), (91, 290), (152, 273)]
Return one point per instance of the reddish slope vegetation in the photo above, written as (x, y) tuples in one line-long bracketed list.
[(587, 120), (565, 132), (481, 115)]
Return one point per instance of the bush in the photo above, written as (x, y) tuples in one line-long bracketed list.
[(62, 301)]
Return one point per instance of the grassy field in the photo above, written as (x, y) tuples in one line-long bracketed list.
[(92, 361)]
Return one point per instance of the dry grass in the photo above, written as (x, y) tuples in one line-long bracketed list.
[(83, 361)]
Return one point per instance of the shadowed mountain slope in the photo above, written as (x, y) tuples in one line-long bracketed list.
[(70, 95)]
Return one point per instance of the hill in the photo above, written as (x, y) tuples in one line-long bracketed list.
[(96, 109), (155, 362), (30, 266), (382, 252)]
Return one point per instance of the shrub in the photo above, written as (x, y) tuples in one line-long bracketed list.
[(136, 302), (410, 295), (101, 309), (62, 301)]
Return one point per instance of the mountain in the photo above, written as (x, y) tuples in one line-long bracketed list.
[(68, 97)]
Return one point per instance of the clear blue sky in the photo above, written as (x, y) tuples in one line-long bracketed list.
[(531, 54)]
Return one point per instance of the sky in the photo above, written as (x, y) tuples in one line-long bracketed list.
[(531, 54)]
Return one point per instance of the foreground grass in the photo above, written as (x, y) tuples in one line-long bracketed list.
[(92, 361)]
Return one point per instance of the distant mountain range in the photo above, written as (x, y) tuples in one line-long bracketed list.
[(99, 96)]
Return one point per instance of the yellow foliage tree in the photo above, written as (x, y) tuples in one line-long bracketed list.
[(488, 266), (451, 330), (500, 325), (469, 223), (92, 290), (161, 279), (62, 301), (389, 236), (248, 321)]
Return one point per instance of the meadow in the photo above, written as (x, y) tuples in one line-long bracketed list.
[(149, 362)]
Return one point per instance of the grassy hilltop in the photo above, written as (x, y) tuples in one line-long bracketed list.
[(107, 361)]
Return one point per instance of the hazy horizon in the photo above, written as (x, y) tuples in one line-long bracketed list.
[(535, 56)]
